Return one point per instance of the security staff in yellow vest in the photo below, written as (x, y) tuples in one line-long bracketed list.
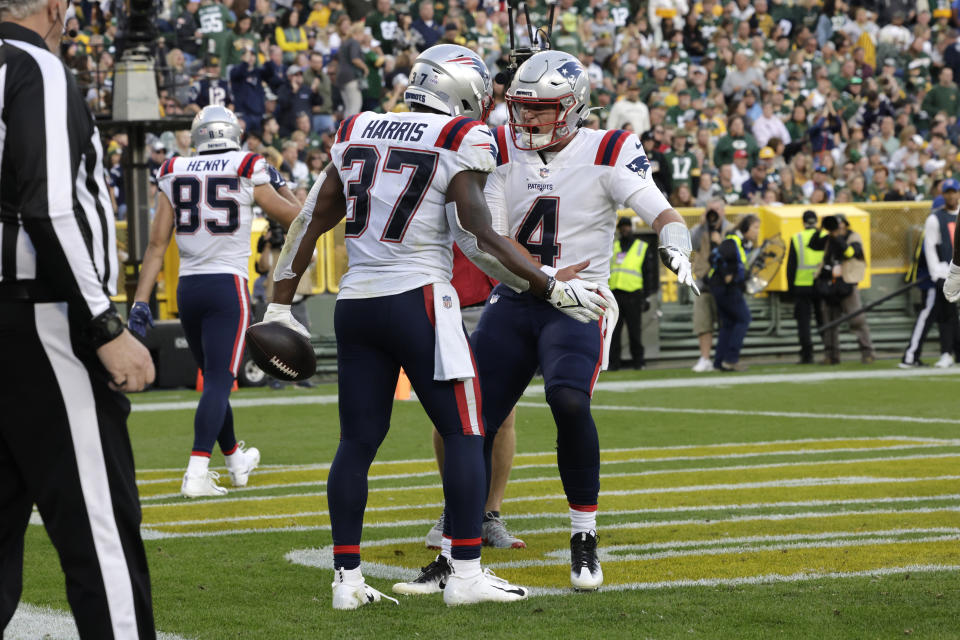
[(633, 273), (727, 277), (801, 272)]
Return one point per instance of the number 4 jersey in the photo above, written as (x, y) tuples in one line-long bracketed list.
[(564, 211), (395, 169), (212, 198)]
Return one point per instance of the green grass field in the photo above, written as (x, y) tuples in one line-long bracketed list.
[(731, 507)]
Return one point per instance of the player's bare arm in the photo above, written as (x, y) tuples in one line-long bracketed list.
[(275, 205), (161, 230)]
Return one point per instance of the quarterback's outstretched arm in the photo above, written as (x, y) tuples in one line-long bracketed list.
[(495, 255), (668, 224)]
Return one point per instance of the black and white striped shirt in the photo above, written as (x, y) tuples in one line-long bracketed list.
[(57, 233)]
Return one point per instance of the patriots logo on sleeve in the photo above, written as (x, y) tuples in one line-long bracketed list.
[(639, 165)]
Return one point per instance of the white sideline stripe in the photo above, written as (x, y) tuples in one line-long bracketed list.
[(155, 533), (769, 578), (547, 514), (651, 472), (768, 414), (721, 445), (551, 464), (721, 546), (31, 622), (722, 551), (626, 385), (73, 379), (631, 474)]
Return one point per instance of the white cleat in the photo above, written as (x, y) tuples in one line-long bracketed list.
[(202, 486), (241, 463), (350, 591), (481, 587), (945, 361), (703, 365), (585, 571)]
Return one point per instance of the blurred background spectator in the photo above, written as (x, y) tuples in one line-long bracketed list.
[(835, 102)]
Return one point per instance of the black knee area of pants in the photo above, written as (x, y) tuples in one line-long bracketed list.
[(578, 446)]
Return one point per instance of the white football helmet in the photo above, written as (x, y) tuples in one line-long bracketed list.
[(548, 80), (215, 128), (451, 79)]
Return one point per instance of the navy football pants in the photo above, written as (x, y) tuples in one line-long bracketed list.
[(375, 338), (215, 313), (517, 333)]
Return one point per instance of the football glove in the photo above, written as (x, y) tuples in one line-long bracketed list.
[(276, 179), (951, 287), (280, 313), (140, 318), (578, 299), (675, 250)]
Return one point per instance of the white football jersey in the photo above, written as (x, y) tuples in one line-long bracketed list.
[(564, 211), (212, 198), (395, 169)]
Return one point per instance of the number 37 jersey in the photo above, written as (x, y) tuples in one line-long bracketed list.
[(395, 169), (212, 198)]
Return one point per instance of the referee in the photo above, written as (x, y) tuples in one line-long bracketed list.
[(65, 357)]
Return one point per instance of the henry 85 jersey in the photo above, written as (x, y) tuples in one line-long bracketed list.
[(395, 169), (212, 198), (564, 211)]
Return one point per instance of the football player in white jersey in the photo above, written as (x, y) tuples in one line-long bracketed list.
[(206, 200), (556, 191), (410, 184)]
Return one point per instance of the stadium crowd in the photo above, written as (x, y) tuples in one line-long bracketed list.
[(749, 101)]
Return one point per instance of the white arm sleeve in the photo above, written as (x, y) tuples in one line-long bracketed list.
[(494, 194), (648, 203), (284, 268), (486, 262)]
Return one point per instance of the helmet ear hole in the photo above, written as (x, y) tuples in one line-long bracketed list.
[(464, 105)]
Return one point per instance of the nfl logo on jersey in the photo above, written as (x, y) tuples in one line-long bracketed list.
[(544, 172), (447, 302)]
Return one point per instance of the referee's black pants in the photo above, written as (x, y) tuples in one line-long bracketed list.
[(64, 447)]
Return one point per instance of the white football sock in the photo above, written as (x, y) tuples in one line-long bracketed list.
[(198, 465), (582, 521), (445, 547), (466, 568)]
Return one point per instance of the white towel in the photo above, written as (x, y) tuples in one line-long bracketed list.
[(451, 356), (608, 325)]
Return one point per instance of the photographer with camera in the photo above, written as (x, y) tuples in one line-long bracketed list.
[(727, 275), (707, 236), (844, 265)]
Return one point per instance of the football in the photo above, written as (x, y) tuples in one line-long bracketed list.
[(281, 352)]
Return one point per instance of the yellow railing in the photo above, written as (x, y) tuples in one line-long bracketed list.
[(890, 231)]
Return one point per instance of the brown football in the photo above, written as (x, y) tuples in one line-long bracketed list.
[(281, 352)]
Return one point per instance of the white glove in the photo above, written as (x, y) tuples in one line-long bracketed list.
[(951, 287), (578, 299), (280, 313), (675, 252), (940, 271)]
